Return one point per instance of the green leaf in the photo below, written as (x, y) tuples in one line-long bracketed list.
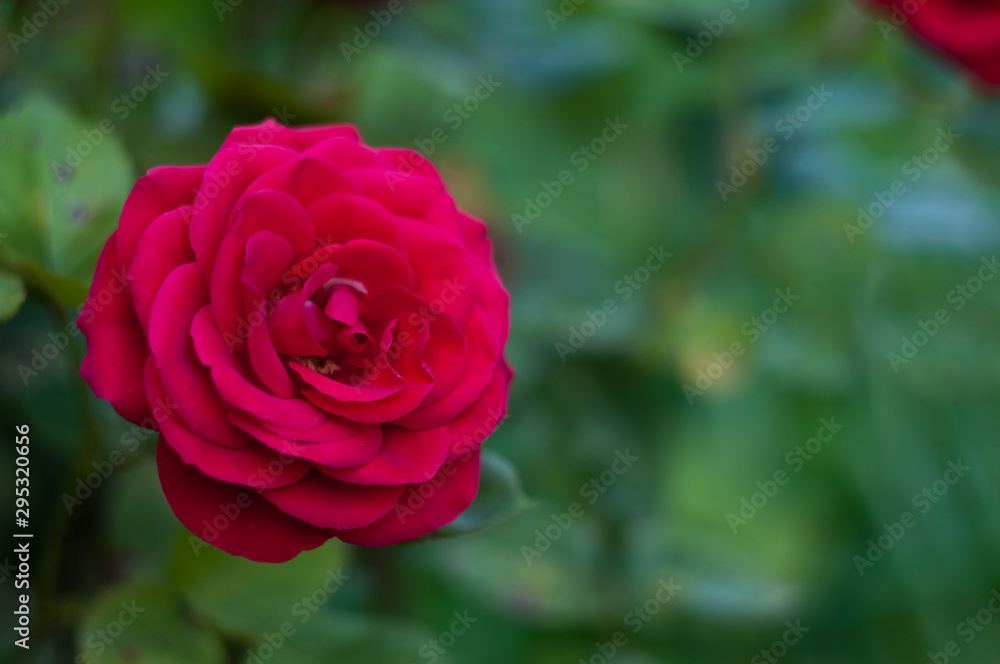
[(141, 624), (12, 294), (342, 637), (228, 589), (64, 184), (500, 498)]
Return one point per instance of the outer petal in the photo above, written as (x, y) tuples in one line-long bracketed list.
[(299, 139), (161, 190), (256, 466), (478, 421), (116, 345), (227, 177), (450, 492), (185, 379), (232, 517), (163, 247)]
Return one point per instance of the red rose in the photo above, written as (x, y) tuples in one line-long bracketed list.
[(967, 30), (317, 331)]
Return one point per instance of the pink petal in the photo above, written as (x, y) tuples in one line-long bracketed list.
[(271, 132), (236, 389), (443, 270), (328, 503), (232, 517), (326, 444), (163, 247), (448, 494), (116, 346), (161, 190), (227, 177), (186, 381), (405, 457), (481, 360), (475, 424), (281, 214), (346, 154), (341, 218), (256, 466)]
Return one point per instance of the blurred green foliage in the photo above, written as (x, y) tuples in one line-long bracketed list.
[(716, 395)]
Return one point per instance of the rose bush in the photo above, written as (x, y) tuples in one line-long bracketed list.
[(967, 30), (318, 333)]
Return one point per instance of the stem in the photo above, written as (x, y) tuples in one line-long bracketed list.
[(89, 447)]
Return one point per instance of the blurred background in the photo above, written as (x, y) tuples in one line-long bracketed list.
[(750, 247)]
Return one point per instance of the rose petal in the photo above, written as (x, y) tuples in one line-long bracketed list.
[(290, 331), (481, 359), (271, 132), (364, 392), (477, 422), (116, 345), (227, 177), (448, 494), (161, 190), (281, 214), (346, 154), (163, 247), (232, 517), (234, 386), (326, 444), (444, 275), (406, 162), (256, 466), (328, 503), (405, 457), (186, 381), (343, 217)]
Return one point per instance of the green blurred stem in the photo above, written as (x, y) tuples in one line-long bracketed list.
[(89, 447)]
